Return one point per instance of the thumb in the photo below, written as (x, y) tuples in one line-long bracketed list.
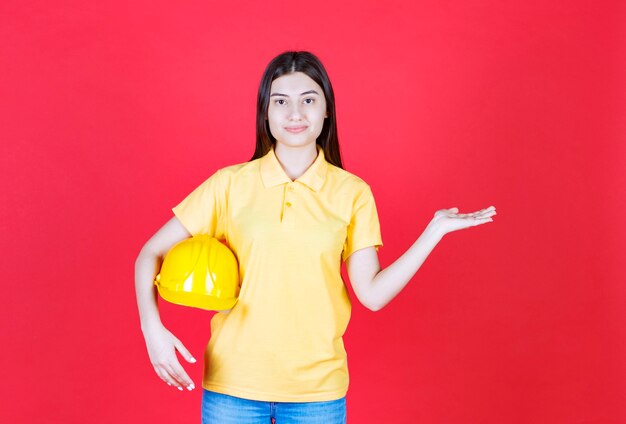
[(183, 351), (455, 210)]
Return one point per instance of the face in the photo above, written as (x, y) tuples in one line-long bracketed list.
[(297, 109)]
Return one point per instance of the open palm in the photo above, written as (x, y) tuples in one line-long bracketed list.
[(448, 220)]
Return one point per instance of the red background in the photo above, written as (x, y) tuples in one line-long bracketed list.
[(112, 112)]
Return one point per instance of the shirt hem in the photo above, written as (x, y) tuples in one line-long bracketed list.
[(273, 397)]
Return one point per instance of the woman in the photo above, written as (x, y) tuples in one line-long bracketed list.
[(290, 214)]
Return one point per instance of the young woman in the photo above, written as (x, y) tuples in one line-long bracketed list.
[(290, 214)]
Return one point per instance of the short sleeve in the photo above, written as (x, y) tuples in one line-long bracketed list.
[(364, 227), (202, 211)]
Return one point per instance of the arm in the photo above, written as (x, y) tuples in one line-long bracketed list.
[(375, 287), (161, 344)]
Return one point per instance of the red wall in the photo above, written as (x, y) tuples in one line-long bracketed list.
[(111, 112)]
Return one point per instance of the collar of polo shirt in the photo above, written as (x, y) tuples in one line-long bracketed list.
[(272, 173)]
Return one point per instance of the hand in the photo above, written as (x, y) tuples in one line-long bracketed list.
[(162, 347), (448, 220)]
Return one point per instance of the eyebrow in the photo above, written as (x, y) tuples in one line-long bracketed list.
[(302, 94)]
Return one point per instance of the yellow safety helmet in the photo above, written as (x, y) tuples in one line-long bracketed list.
[(200, 272)]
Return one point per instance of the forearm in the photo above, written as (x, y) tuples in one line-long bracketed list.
[(390, 281), (147, 266)]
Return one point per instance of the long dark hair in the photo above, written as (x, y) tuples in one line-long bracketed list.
[(307, 63)]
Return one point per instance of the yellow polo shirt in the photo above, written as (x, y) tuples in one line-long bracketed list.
[(282, 341)]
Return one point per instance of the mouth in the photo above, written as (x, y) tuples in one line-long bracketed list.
[(296, 129)]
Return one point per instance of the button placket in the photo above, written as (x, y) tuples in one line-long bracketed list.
[(287, 203), (288, 195)]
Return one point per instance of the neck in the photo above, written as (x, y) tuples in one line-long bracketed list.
[(295, 160)]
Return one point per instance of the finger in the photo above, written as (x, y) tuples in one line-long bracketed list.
[(173, 378), (181, 377), (183, 351), (176, 379), (163, 375), (488, 214), (485, 212)]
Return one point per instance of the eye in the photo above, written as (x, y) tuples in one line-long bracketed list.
[(279, 100), (311, 100)]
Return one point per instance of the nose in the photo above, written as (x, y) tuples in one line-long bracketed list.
[(294, 112)]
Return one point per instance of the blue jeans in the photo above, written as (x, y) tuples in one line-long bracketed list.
[(226, 409)]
